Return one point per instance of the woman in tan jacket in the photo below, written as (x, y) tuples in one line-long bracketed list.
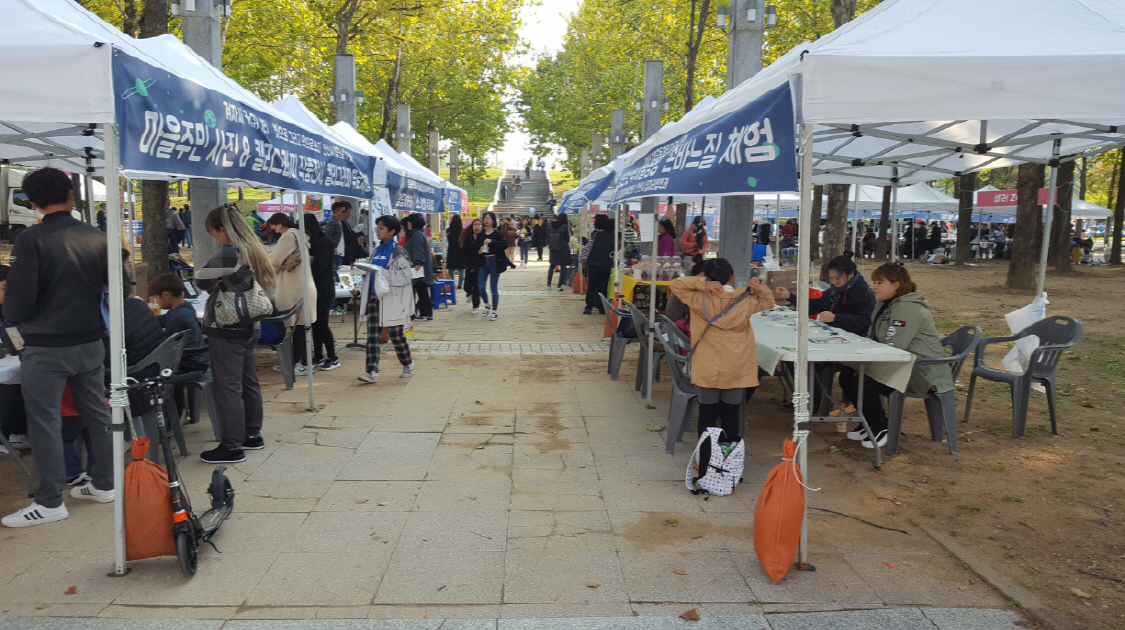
[(286, 261), (724, 361)]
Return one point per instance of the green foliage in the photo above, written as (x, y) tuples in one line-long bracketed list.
[(569, 96), (453, 72)]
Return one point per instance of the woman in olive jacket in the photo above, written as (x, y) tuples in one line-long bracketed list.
[(903, 320)]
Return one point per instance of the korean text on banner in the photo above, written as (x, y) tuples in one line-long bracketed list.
[(747, 151), (573, 201), (409, 194), (381, 202), (171, 125)]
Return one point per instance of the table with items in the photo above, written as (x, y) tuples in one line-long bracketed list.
[(775, 336)]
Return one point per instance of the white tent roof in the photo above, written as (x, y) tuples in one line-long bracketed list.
[(898, 94)]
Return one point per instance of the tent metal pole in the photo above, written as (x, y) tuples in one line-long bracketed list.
[(800, 369), (619, 238), (118, 399), (306, 308), (855, 220), (649, 367), (88, 181), (894, 214), (775, 232), (1051, 192)]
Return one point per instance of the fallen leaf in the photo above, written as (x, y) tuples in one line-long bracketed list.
[(830, 465), (1088, 405), (451, 369), (680, 572), (1079, 592), (657, 427), (72, 591), (481, 448), (649, 407), (691, 615), (478, 402), (42, 607), (441, 587), (592, 585), (832, 449), (381, 504), (361, 500), (1094, 429), (889, 565)]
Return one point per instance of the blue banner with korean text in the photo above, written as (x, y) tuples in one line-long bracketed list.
[(744, 152), (170, 125), (410, 194), (585, 192)]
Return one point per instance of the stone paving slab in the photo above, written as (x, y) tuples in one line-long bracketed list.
[(497, 484)]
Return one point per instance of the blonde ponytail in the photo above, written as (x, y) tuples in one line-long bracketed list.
[(242, 237)]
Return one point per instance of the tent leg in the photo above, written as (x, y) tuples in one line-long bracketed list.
[(306, 309), (800, 371), (894, 214), (118, 399), (1042, 280)]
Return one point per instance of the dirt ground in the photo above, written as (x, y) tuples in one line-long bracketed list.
[(1047, 511)]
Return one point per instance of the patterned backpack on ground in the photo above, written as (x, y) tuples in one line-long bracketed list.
[(721, 473)]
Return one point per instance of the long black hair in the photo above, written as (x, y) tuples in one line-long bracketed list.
[(718, 270), (668, 226), (313, 229)]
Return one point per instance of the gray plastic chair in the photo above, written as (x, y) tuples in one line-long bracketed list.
[(284, 345), (617, 341), (941, 407), (640, 322), (673, 332), (685, 396), (165, 357), (1056, 334)]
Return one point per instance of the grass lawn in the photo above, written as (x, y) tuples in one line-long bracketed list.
[(562, 181)]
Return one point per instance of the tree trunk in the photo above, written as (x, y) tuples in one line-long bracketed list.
[(1059, 254), (681, 222), (966, 186), (1025, 255), (1118, 214), (241, 196), (154, 194), (390, 100), (835, 226), (697, 28), (843, 11), (884, 225)]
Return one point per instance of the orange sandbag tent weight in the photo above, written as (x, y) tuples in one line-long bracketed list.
[(778, 515), (148, 507)]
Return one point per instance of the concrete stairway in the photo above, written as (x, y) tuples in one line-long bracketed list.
[(533, 194)]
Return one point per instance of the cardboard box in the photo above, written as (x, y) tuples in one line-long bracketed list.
[(787, 279)]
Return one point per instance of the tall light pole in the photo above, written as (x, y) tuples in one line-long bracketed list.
[(347, 100), (203, 33), (616, 134), (744, 60), (651, 108), (402, 128)]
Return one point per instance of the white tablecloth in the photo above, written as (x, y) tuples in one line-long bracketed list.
[(10, 370), (775, 335)]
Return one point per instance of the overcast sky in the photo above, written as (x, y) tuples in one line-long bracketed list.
[(544, 27)]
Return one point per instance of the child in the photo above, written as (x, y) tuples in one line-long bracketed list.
[(167, 292)]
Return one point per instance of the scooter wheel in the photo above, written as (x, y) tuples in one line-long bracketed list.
[(186, 553)]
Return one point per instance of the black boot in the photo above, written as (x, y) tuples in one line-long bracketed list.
[(731, 419), (708, 417)]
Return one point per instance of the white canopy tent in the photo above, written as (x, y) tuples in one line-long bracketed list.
[(75, 130), (918, 90)]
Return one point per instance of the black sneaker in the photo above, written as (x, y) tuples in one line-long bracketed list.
[(223, 455), (254, 442)]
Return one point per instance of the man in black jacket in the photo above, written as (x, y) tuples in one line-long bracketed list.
[(54, 297)]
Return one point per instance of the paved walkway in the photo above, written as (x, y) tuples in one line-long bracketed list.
[(510, 482)]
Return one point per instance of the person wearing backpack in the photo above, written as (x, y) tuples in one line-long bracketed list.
[(723, 359), (694, 239), (558, 249), (239, 264), (599, 263)]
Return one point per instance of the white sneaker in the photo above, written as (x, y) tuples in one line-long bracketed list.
[(35, 514), (484, 313), (3, 450), (370, 377), (880, 439), (299, 369), (857, 434), (492, 317), (19, 442), (407, 371), (89, 492), (475, 311)]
